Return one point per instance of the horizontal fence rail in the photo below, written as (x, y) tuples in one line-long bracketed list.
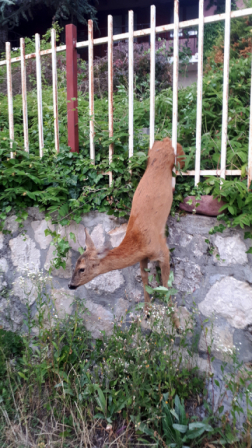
[(153, 31)]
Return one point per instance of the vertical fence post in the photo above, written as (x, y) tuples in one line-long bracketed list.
[(199, 91), (91, 88), (152, 74), (110, 89), (175, 80), (131, 81), (225, 90), (72, 101), (24, 94), (250, 137), (55, 90), (10, 97), (39, 95)]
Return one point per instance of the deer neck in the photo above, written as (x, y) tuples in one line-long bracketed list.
[(118, 258)]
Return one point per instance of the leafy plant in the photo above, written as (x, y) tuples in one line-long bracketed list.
[(177, 429), (163, 293), (238, 203)]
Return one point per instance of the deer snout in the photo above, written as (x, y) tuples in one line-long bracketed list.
[(70, 286)]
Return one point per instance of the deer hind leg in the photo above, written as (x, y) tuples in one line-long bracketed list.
[(144, 275), (165, 272)]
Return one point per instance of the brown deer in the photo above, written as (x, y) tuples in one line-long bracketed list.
[(145, 236)]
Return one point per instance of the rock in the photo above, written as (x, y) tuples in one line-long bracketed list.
[(108, 282), (219, 340), (98, 237), (3, 265), (1, 240), (214, 278), (136, 295), (24, 254), (11, 224), (185, 318), (199, 246), (4, 304), (26, 289), (208, 205), (187, 276), (232, 250), (34, 213), (98, 319), (39, 228), (117, 234), (121, 309), (94, 218), (63, 302), (61, 273), (204, 366), (231, 299), (179, 237), (194, 224)]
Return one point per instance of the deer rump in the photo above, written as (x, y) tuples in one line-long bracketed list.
[(145, 236)]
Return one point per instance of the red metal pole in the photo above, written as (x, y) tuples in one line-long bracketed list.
[(72, 101)]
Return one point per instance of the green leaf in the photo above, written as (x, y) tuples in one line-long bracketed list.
[(149, 289), (23, 376), (72, 236), (160, 288), (101, 401), (180, 428)]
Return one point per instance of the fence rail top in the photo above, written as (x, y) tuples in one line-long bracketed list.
[(139, 33)]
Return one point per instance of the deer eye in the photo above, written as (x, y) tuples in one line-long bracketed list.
[(82, 270)]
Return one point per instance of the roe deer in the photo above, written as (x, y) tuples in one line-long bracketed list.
[(145, 236)]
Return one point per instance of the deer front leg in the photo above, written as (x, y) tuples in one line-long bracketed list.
[(144, 275), (165, 273)]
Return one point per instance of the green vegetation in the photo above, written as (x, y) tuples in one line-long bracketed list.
[(59, 386), (12, 11)]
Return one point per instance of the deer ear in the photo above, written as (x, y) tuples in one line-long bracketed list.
[(89, 243), (103, 252)]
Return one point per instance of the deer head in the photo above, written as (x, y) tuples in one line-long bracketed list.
[(88, 264)]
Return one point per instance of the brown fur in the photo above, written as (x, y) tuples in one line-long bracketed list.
[(145, 236)]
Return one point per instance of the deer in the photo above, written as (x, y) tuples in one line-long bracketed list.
[(145, 235)]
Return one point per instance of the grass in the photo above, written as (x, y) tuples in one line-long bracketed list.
[(61, 388)]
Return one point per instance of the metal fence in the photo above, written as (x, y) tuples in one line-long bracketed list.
[(71, 56)]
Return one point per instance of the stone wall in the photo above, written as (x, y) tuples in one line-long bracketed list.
[(214, 276)]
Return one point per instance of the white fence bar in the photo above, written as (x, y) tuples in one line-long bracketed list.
[(55, 90), (199, 91), (225, 89), (131, 83), (211, 173), (152, 74), (39, 95), (91, 88), (250, 136), (24, 95), (110, 89), (10, 96), (175, 80)]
